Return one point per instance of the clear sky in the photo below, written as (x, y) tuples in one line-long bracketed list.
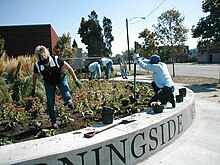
[(65, 16)]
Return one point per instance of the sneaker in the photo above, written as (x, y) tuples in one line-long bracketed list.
[(54, 125)]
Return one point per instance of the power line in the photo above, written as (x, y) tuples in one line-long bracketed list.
[(129, 14), (120, 33), (153, 11), (133, 18), (135, 7), (139, 17)]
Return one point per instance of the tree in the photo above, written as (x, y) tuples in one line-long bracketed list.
[(74, 45), (208, 28), (150, 44), (108, 37), (91, 33), (125, 54), (117, 59), (63, 46), (170, 31)]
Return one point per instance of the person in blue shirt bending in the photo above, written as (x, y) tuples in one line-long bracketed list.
[(94, 69), (107, 63), (162, 84)]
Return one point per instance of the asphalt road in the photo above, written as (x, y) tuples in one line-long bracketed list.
[(190, 69), (198, 70)]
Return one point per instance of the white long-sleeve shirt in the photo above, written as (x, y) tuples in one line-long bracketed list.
[(105, 61), (161, 75), (93, 66)]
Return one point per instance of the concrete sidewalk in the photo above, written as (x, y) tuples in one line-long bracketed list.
[(199, 145)]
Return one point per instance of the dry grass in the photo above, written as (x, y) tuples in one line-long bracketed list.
[(189, 80), (1, 66), (15, 68)]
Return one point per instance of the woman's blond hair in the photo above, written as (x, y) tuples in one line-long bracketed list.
[(42, 52)]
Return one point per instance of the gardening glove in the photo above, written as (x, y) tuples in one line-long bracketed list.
[(135, 57), (32, 92), (78, 84)]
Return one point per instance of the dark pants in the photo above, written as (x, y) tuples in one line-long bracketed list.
[(163, 95)]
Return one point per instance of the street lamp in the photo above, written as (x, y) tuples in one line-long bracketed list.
[(129, 62)]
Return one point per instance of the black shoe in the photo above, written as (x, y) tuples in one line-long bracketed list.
[(173, 104), (158, 108), (70, 105), (172, 101)]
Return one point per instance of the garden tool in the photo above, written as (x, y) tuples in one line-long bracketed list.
[(93, 133)]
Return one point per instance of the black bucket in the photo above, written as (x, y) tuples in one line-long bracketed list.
[(179, 98), (107, 115), (158, 109), (182, 91)]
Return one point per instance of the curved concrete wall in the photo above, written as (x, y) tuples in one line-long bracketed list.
[(125, 144)]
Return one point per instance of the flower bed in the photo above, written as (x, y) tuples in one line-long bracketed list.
[(27, 119)]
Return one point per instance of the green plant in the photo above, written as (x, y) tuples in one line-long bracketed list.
[(33, 105), (45, 133), (11, 115), (5, 140), (5, 92), (66, 119)]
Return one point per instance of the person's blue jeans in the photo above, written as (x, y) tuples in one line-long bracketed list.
[(98, 71), (108, 70), (50, 94), (123, 73)]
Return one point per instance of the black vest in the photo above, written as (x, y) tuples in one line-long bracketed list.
[(53, 74)]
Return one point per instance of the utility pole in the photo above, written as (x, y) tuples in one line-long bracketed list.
[(129, 62), (135, 51), (129, 57), (219, 67)]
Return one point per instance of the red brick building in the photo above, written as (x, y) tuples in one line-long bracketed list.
[(22, 39)]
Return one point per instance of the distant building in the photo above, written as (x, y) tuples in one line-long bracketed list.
[(209, 55), (184, 55), (194, 54), (22, 39)]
